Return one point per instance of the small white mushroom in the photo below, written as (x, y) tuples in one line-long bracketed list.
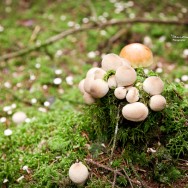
[(132, 95), (88, 82), (137, 54), (88, 98), (91, 71), (120, 93), (112, 84), (153, 85), (135, 111), (19, 117), (157, 103), (99, 74), (125, 76), (112, 62), (81, 86), (78, 173), (99, 88)]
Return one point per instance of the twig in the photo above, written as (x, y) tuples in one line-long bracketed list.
[(128, 178), (114, 181), (88, 27), (111, 170), (115, 133), (136, 174)]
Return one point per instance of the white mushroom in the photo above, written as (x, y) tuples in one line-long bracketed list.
[(78, 173), (99, 88), (19, 117), (157, 103), (99, 74), (81, 86), (120, 93), (112, 84), (88, 98), (135, 111), (125, 76), (88, 82), (132, 95), (91, 71), (112, 62), (138, 55), (153, 85)]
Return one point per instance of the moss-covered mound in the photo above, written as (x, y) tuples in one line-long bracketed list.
[(155, 143)]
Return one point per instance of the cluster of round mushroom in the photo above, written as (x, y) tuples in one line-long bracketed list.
[(122, 82)]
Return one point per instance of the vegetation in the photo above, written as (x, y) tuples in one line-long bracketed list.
[(57, 133)]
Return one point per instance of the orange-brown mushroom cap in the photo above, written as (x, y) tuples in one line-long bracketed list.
[(137, 54)]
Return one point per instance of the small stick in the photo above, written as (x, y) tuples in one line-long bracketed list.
[(99, 25), (128, 178), (115, 133), (114, 181), (111, 170)]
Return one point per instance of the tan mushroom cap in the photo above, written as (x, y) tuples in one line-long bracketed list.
[(153, 85), (88, 98), (112, 84), (112, 62), (135, 111), (137, 54), (81, 86), (78, 173), (157, 103), (132, 95), (125, 76), (120, 93), (99, 88)]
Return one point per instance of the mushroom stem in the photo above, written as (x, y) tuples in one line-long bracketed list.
[(115, 132)]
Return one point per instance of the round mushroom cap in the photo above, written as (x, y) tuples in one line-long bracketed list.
[(135, 111), (120, 93), (137, 54), (88, 82), (157, 103), (88, 98), (125, 76), (112, 84), (81, 86), (99, 88), (91, 71), (112, 62), (99, 74), (78, 173), (19, 117), (132, 95), (153, 85)]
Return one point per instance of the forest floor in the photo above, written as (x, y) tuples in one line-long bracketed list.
[(44, 85)]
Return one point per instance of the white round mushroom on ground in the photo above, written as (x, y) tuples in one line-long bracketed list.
[(132, 95), (78, 173), (135, 111), (157, 103), (153, 85), (81, 86), (112, 84), (125, 76), (88, 98), (137, 54), (19, 117), (112, 62), (99, 88), (120, 93)]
